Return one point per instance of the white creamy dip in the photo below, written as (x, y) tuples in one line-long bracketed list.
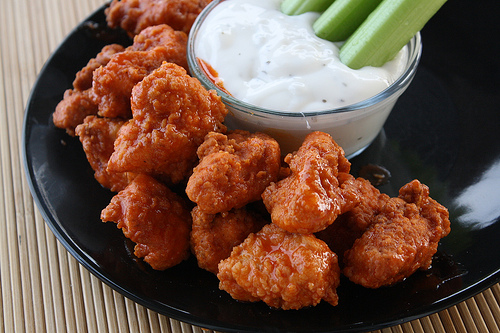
[(275, 61)]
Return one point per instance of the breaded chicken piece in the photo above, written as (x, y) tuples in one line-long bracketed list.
[(402, 238), (83, 79), (112, 84), (135, 15), (77, 103), (73, 109), (285, 270), (162, 36), (348, 227), (234, 170), (213, 236), (154, 218), (172, 113), (97, 136), (318, 190)]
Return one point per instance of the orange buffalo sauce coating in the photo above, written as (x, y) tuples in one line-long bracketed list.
[(285, 270)]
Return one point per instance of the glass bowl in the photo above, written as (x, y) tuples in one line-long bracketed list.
[(353, 127)]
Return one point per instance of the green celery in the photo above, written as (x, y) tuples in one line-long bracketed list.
[(296, 7), (342, 18), (386, 30)]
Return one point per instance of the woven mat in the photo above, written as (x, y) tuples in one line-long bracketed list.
[(43, 288)]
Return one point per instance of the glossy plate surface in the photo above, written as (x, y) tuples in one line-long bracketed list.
[(445, 131)]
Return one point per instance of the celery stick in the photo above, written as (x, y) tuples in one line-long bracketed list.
[(386, 30), (342, 18), (296, 7)]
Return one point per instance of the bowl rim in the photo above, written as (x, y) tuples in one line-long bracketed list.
[(414, 56)]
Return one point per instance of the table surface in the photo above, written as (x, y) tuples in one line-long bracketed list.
[(43, 288)]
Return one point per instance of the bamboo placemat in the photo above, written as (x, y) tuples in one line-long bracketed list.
[(43, 288)]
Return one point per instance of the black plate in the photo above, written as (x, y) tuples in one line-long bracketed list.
[(445, 131)]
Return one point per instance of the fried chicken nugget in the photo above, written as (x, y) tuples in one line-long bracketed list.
[(234, 170), (73, 109), (83, 79), (213, 236), (112, 84), (348, 227), (77, 103), (154, 218), (285, 270), (318, 190), (135, 15), (172, 113), (173, 43), (97, 136), (402, 238)]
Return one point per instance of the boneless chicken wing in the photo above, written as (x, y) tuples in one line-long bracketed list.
[(213, 236), (77, 103), (234, 170), (318, 189), (348, 227), (83, 79), (172, 113), (97, 136), (402, 238), (172, 43), (134, 16), (154, 218), (285, 270), (113, 83), (105, 84), (75, 106)]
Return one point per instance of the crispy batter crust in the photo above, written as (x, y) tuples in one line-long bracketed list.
[(402, 238), (285, 270), (234, 170), (113, 83), (172, 113), (155, 218), (318, 189), (348, 227), (97, 136), (134, 16), (214, 235)]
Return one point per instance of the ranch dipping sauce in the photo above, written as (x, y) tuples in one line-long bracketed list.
[(276, 76), (275, 61)]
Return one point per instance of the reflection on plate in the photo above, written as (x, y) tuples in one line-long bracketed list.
[(443, 131)]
